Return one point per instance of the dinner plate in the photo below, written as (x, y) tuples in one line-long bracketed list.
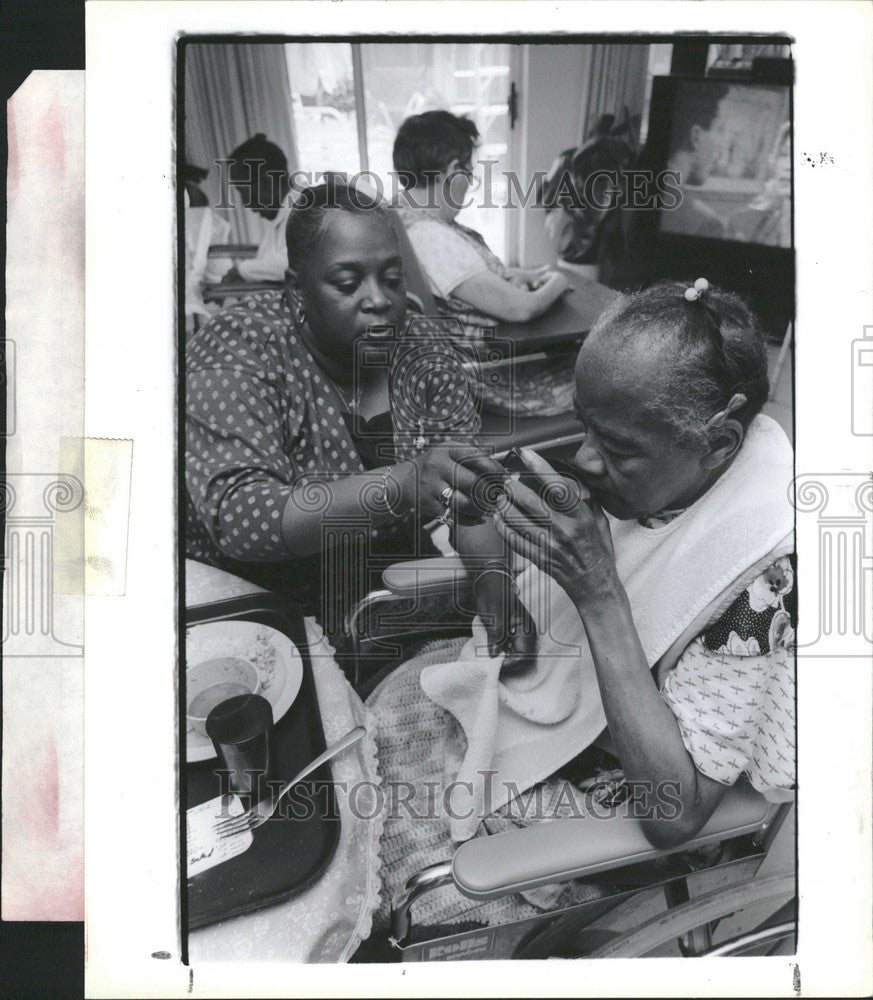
[(273, 653)]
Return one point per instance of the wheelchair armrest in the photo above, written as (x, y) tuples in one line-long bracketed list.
[(434, 575), (559, 850), (438, 575)]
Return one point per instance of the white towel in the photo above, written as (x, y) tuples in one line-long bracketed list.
[(561, 682), (522, 729)]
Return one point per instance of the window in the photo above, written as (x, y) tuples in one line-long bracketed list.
[(323, 106), (349, 100)]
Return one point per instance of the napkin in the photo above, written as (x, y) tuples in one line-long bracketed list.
[(519, 729)]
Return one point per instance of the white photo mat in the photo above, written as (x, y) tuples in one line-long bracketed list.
[(131, 369)]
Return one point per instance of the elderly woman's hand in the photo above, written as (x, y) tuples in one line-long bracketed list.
[(573, 547), (510, 628)]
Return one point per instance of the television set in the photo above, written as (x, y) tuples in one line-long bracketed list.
[(726, 145), (730, 147)]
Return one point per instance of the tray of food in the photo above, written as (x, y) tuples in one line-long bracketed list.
[(252, 644)]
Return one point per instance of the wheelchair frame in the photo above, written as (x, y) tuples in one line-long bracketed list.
[(690, 918), (682, 914)]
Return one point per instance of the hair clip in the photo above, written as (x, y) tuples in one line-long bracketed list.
[(697, 289), (734, 403)]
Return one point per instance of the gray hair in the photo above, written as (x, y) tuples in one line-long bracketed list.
[(716, 344)]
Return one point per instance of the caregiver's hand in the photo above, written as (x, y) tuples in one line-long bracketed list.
[(510, 629), (423, 479), (574, 548)]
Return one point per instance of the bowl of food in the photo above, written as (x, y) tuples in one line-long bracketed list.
[(213, 681)]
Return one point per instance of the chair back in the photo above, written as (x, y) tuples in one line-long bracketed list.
[(416, 280)]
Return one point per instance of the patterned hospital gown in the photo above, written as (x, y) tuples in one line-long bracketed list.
[(732, 691)]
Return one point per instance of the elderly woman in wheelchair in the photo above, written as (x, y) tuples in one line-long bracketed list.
[(658, 579)]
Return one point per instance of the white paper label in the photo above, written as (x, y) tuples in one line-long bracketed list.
[(205, 848)]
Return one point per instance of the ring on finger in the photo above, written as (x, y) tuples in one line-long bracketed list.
[(446, 495)]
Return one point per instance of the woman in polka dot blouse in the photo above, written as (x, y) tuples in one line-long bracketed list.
[(323, 431)]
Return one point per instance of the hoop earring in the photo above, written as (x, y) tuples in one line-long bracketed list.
[(299, 309)]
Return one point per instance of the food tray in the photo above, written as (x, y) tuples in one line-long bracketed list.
[(287, 855)]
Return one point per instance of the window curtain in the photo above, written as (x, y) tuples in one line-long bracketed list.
[(232, 92), (616, 79)]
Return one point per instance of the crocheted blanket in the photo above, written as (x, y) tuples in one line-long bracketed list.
[(420, 748)]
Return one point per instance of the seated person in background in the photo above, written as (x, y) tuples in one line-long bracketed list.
[(284, 440), (583, 196), (259, 171), (433, 159), (191, 178), (203, 228), (675, 581)]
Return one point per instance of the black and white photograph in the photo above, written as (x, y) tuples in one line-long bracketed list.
[(436, 496), (488, 532)]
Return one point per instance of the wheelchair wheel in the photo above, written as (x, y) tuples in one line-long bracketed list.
[(681, 922)]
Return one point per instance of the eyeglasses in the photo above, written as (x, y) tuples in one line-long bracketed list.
[(474, 181)]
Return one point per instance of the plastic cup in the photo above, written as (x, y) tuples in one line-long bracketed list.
[(214, 681), (241, 730)]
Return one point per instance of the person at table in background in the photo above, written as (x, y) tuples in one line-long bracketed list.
[(259, 171), (681, 573), (433, 154), (191, 177), (283, 439), (203, 228)]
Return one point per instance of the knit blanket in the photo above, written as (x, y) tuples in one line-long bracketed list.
[(421, 748)]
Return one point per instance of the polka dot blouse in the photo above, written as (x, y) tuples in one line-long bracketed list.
[(263, 419)]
